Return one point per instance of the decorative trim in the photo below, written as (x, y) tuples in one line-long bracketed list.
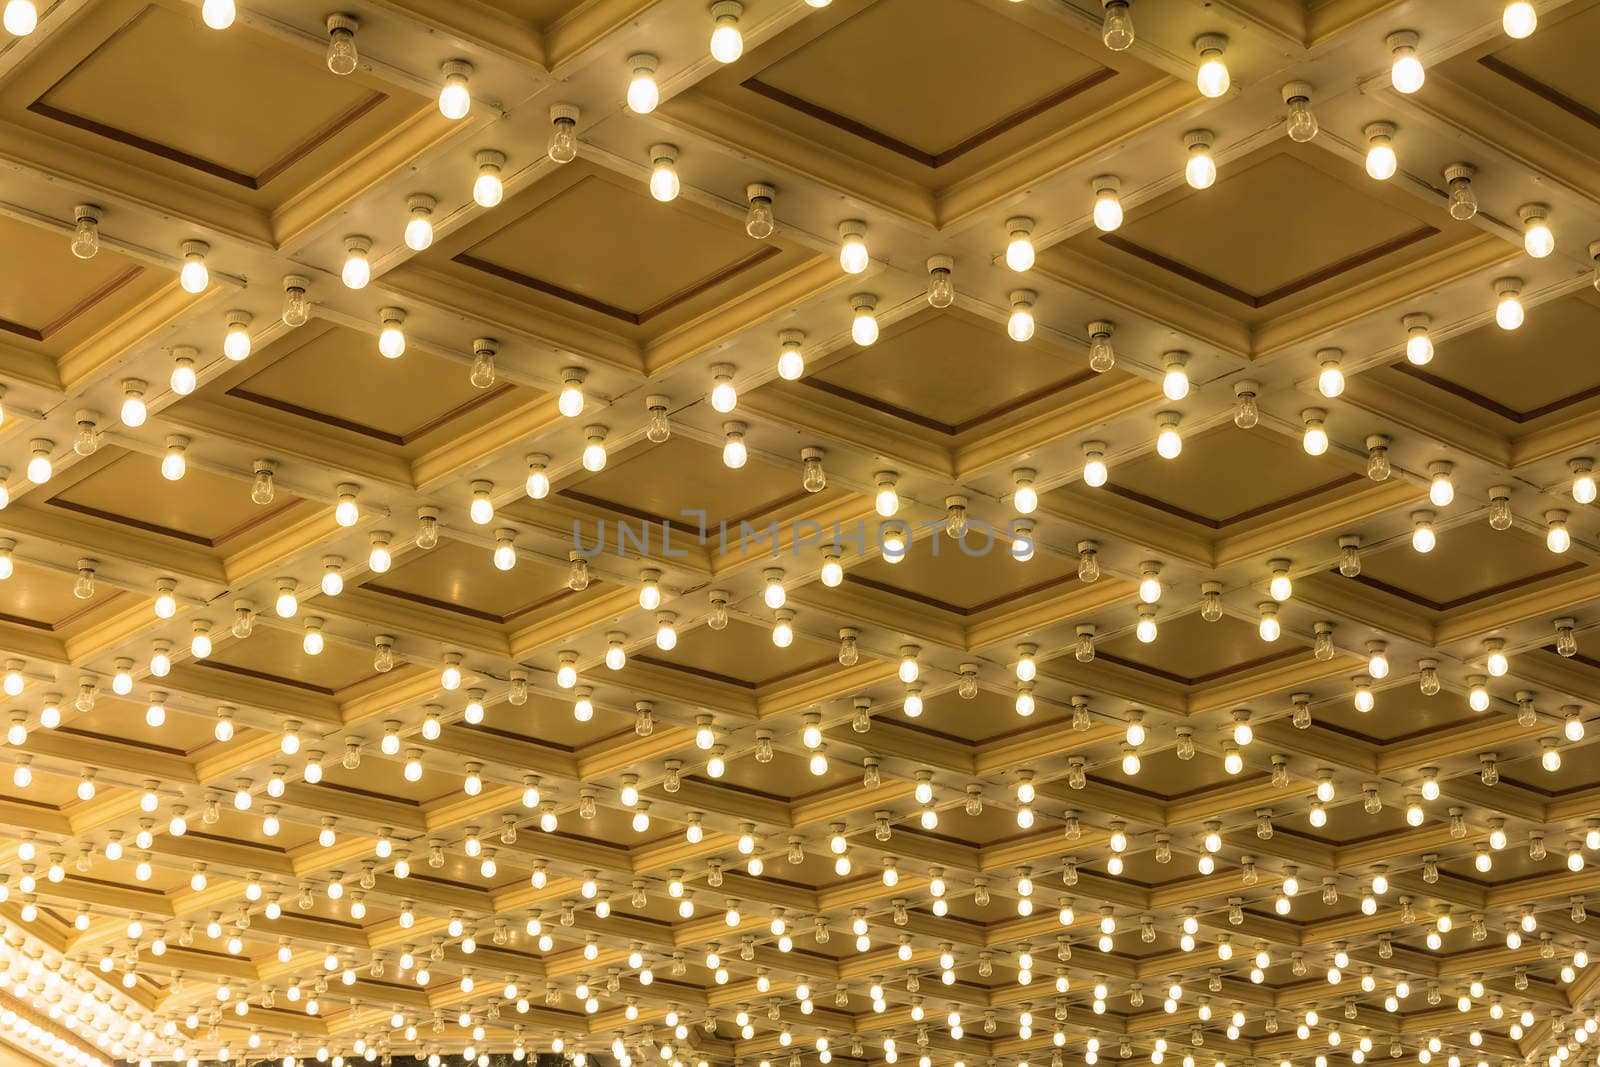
[(1250, 513), (1478, 594), (351, 426), (947, 428), (1489, 404)]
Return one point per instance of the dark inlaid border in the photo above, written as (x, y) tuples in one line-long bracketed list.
[(995, 129), (361, 428), (949, 429), (1249, 513), (1505, 411), (1448, 605), (1548, 93), (1289, 288), (1201, 679)]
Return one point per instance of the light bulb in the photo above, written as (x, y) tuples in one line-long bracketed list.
[(184, 379), (941, 281), (643, 94), (1169, 445), (357, 270), (86, 232), (1019, 327), (1406, 75), (1212, 77), (724, 397), (1557, 537), (853, 246), (193, 276), (1441, 490), (1315, 438), (1381, 160), (864, 326), (1201, 169), (1269, 628), (454, 99), (1330, 380), (481, 509), (1519, 19), (734, 452), (1175, 380), (133, 411), (1537, 239), (1423, 539), (594, 451), (1107, 204), (1301, 124), (727, 44), (488, 189), (1019, 246), (1583, 481), (664, 183), (40, 468), (218, 14), (173, 465), (1419, 346), (1145, 631), (392, 337)]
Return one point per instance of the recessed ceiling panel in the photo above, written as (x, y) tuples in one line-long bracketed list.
[(275, 654), (49, 298), (742, 654), (463, 578), (1469, 562), (1189, 650), (968, 576), (43, 598)]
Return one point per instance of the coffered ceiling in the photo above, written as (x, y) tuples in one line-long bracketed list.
[(397, 780)]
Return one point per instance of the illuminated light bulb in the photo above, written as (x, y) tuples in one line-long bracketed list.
[(666, 631), (419, 221), (910, 669), (357, 270), (886, 501), (488, 189), (481, 509), (864, 324), (1572, 729), (155, 712), (1175, 380), (1019, 245), (1537, 239), (1107, 202), (134, 412), (1557, 538), (1583, 480), (312, 641), (392, 337), (218, 14), (22, 18), (1020, 326), (1281, 587), (1315, 438), (193, 276), (454, 98), (1549, 757), (1381, 160), (1378, 660), (173, 464), (643, 93), (1022, 540), (1212, 77), (664, 184), (1269, 627), (1330, 379), (1168, 443), (1423, 539), (727, 43), (1519, 19), (832, 573), (594, 449), (1419, 346), (1406, 74), (1508, 313), (184, 379), (853, 255), (200, 641), (1145, 630), (1201, 169), (941, 280), (1149, 582)]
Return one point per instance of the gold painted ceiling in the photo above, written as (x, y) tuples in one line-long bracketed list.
[(947, 697)]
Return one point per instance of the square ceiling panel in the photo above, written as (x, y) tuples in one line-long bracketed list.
[(742, 655), (989, 716), (1175, 778), (1190, 651), (266, 123), (787, 777), (1281, 227), (115, 719), (876, 72), (333, 377), (951, 372), (684, 482), (462, 578), (1281, 475), (50, 299), (966, 577), (201, 508), (1470, 562), (276, 655), (1402, 713), (550, 722), (592, 244), (1521, 376)]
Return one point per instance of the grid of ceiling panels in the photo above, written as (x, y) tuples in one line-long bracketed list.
[(648, 617)]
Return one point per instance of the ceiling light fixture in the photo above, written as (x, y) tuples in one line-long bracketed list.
[(1406, 74), (1537, 239), (218, 14), (1423, 539), (39, 466), (1107, 202), (1020, 326), (563, 146), (1508, 313), (759, 221), (853, 255), (21, 17), (454, 99), (1095, 471), (864, 325), (173, 465), (1519, 19), (1301, 124), (1175, 379), (1381, 160), (727, 43), (1019, 245), (133, 411), (1169, 445), (643, 93), (1116, 30), (664, 184), (791, 363), (1330, 379), (1315, 438), (1461, 201), (236, 341), (341, 55), (488, 189), (86, 230), (183, 379), (296, 309), (734, 453), (392, 337), (1201, 169), (194, 277), (1419, 346), (1212, 77), (482, 374)]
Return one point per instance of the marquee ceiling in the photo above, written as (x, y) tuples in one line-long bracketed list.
[(218, 845)]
